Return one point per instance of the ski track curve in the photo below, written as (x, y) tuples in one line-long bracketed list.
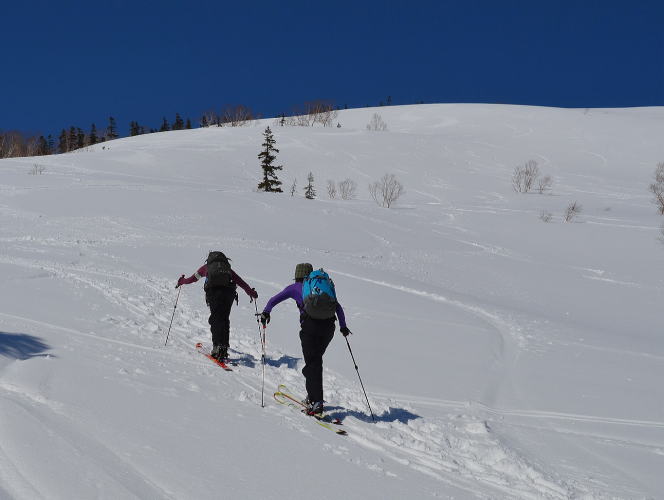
[(458, 449)]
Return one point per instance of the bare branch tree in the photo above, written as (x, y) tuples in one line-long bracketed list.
[(331, 189), (237, 116), (37, 169), (10, 144), (546, 216), (376, 123), (293, 187), (386, 191), (659, 173), (544, 184), (313, 112), (657, 188), (348, 189), (210, 118), (322, 112), (524, 176), (573, 209)]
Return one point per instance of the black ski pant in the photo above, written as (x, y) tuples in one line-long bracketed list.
[(220, 300), (315, 336)]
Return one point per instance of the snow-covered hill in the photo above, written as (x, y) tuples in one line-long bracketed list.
[(504, 357)]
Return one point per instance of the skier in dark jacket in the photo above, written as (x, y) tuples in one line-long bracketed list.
[(315, 336), (220, 292)]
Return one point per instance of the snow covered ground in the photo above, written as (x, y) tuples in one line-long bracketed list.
[(504, 357)]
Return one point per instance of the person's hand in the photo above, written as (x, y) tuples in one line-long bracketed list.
[(264, 318), (180, 282), (253, 294), (345, 331)]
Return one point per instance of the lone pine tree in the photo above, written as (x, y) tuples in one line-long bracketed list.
[(309, 191), (267, 156)]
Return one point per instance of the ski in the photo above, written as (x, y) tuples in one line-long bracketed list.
[(206, 353), (283, 397)]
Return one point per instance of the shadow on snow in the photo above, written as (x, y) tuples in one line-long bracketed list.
[(289, 361), (391, 415), (21, 345)]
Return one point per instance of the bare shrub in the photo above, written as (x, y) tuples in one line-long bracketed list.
[(11, 144), (293, 187), (546, 216), (524, 176), (331, 189), (659, 173), (210, 118), (237, 116), (322, 112), (573, 209), (311, 113), (376, 123), (386, 191), (348, 189), (544, 184), (37, 169), (15, 144), (657, 188)]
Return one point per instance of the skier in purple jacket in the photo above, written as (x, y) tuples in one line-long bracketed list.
[(315, 336)]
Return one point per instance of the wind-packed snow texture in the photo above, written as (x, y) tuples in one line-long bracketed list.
[(504, 357)]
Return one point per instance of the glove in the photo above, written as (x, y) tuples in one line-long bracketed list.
[(264, 317), (253, 294), (180, 282), (345, 331)]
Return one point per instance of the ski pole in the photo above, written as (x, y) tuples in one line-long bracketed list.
[(262, 337), (358, 376), (173, 316)]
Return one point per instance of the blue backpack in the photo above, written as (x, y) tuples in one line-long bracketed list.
[(318, 295)]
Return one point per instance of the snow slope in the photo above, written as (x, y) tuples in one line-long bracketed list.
[(504, 357)]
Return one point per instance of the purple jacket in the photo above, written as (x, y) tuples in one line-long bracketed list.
[(294, 292)]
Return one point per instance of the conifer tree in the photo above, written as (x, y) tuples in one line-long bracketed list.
[(92, 138), (42, 147), (51, 144), (204, 121), (179, 122), (72, 139), (188, 125), (80, 138), (309, 191), (62, 142), (270, 181), (112, 129), (134, 129), (165, 127)]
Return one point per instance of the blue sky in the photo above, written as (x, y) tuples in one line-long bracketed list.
[(75, 63)]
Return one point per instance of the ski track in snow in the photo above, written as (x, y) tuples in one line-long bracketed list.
[(459, 449), (113, 475)]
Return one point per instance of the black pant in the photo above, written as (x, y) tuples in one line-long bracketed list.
[(220, 300), (315, 335)]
